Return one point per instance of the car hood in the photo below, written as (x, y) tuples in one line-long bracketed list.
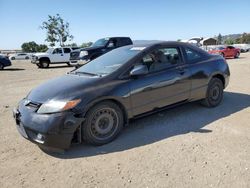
[(92, 48), (65, 87), (40, 54)]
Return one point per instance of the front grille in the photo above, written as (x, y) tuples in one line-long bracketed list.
[(33, 57), (74, 55)]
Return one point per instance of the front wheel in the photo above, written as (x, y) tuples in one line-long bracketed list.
[(1, 66), (214, 94), (237, 55), (222, 54), (43, 64), (103, 123)]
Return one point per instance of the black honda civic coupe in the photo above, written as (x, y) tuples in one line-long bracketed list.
[(93, 103)]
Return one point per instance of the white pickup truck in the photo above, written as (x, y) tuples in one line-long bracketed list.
[(52, 56)]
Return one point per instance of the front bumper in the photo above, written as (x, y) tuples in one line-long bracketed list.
[(34, 61), (50, 130), (78, 62)]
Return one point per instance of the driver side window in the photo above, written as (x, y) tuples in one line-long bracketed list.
[(161, 59), (112, 43)]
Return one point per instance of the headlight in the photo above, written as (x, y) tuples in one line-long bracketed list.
[(57, 106), (83, 53)]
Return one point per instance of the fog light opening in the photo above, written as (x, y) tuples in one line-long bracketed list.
[(40, 138)]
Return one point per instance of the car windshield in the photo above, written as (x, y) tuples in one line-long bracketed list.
[(109, 62), (100, 42), (50, 50)]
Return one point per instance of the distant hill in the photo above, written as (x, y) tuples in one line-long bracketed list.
[(231, 36)]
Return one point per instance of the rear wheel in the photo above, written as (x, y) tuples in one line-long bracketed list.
[(27, 57), (103, 123), (13, 58), (214, 94)]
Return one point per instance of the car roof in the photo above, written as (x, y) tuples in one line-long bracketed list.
[(170, 43)]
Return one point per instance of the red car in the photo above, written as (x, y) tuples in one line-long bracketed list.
[(228, 51)]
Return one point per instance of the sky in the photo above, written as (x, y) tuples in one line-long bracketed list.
[(140, 19)]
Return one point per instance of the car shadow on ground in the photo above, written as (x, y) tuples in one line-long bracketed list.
[(232, 58), (57, 67), (12, 69), (187, 118)]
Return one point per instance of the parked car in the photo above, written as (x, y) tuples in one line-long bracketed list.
[(228, 51), (20, 56), (4, 62), (99, 48), (93, 103), (243, 47), (52, 56)]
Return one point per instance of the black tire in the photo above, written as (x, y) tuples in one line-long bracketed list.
[(27, 57), (237, 55), (1, 66), (13, 58), (103, 123), (44, 64), (214, 93)]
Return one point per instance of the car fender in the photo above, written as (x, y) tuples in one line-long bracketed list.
[(115, 99)]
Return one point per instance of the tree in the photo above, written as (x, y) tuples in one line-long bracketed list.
[(219, 39), (57, 30), (42, 48), (71, 45), (245, 39), (229, 41), (33, 47), (84, 45)]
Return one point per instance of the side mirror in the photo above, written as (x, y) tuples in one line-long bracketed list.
[(139, 70)]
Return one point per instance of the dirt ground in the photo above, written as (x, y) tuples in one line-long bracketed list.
[(189, 146)]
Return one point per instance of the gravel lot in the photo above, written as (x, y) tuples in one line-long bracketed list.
[(189, 146)]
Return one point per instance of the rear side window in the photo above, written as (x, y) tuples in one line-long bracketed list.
[(192, 55)]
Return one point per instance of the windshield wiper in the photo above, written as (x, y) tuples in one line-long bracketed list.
[(88, 73)]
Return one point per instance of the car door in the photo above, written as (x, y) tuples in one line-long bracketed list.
[(19, 56), (57, 55), (232, 51), (66, 55), (166, 83), (229, 52)]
